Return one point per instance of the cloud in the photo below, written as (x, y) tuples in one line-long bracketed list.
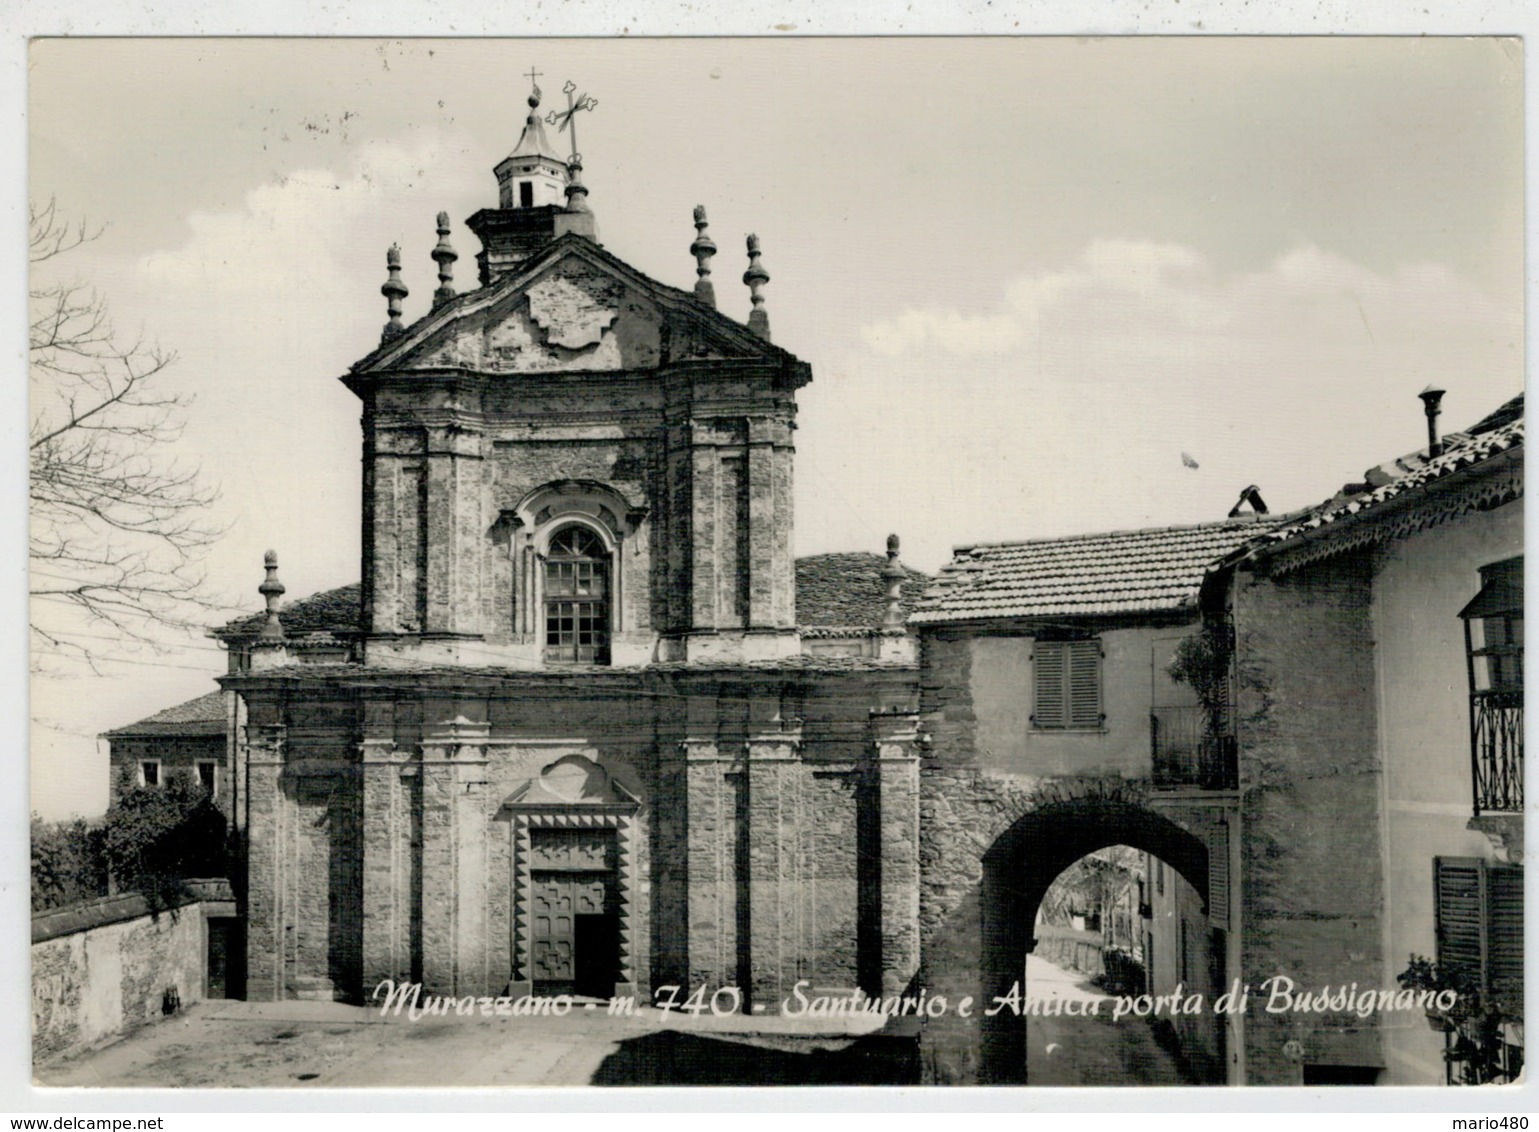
[(1158, 275), (1067, 407)]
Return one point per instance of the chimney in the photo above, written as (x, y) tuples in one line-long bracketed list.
[(1432, 398), (1252, 496)]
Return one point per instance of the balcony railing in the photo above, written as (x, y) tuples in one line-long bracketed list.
[(1496, 735), (1187, 755)]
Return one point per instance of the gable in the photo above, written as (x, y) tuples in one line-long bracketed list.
[(574, 308)]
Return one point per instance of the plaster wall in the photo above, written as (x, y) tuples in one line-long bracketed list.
[(1420, 584)]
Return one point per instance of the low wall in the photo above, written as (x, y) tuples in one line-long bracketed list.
[(105, 966)]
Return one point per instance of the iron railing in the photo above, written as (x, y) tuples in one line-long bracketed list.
[(1496, 742), (1187, 755)]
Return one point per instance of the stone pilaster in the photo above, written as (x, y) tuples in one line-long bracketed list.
[(771, 568), (711, 923), (385, 911), (895, 740), (453, 523), (267, 942), (704, 582), (773, 791), (453, 857)]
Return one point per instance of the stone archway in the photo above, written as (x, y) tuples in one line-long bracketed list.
[(1017, 870)]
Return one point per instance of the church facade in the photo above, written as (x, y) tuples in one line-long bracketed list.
[(577, 743)]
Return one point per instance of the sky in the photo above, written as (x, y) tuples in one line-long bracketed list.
[(1029, 274)]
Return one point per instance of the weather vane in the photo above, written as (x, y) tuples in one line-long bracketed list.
[(568, 117)]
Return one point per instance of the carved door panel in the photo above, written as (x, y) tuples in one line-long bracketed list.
[(574, 898), (554, 933)]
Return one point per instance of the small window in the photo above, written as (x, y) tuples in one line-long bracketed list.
[(526, 194), (1067, 684), (149, 772), (208, 777)]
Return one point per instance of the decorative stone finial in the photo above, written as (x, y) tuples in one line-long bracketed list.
[(444, 256), (894, 574), (271, 589), (576, 191), (756, 277), (394, 291), (703, 249)]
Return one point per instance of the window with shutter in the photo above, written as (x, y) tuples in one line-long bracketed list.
[(1067, 679), (1480, 924), (1218, 877)]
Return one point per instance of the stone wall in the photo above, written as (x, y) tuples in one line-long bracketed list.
[(1310, 774), (104, 967)]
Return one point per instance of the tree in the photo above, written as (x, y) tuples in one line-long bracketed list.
[(69, 862), (157, 837), (117, 524)]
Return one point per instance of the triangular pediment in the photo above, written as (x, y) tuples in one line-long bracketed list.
[(572, 307)]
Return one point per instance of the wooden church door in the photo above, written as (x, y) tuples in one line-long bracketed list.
[(574, 898)]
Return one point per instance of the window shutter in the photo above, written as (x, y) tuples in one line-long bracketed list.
[(1504, 933), (1049, 666), (1084, 683), (1218, 877), (1459, 882)]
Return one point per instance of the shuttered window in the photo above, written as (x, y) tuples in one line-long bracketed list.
[(1067, 678), (1218, 877), (1480, 924)]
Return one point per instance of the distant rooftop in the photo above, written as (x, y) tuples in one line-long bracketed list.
[(202, 716), (1144, 571), (847, 591)]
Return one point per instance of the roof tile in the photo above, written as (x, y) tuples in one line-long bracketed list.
[(1142, 571)]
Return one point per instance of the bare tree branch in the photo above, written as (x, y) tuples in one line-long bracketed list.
[(118, 524)]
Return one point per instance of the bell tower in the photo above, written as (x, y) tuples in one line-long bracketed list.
[(539, 196)]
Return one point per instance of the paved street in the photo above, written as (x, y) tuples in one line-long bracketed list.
[(1089, 1051), (324, 1044)]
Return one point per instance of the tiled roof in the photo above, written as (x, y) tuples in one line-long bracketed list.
[(1500, 432), (847, 591), (202, 716), (330, 611), (1123, 572)]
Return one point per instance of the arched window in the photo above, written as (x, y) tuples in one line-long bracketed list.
[(576, 597)]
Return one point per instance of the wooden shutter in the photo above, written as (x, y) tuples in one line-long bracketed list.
[(1504, 933), (1218, 877), (1049, 665), (1460, 899), (1084, 683)]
